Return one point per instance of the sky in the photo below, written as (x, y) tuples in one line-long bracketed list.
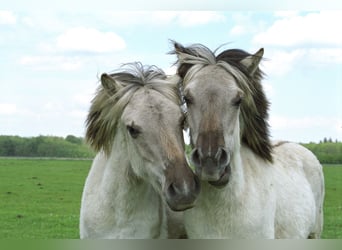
[(51, 58)]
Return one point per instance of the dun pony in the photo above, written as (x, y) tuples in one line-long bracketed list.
[(251, 187), (135, 124)]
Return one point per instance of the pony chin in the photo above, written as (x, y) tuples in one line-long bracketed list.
[(178, 203), (177, 207), (224, 178)]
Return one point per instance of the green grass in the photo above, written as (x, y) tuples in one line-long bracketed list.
[(40, 199), (333, 202)]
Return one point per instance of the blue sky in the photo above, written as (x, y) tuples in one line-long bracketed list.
[(50, 61)]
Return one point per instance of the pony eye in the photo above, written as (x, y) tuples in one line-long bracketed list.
[(134, 132), (237, 101)]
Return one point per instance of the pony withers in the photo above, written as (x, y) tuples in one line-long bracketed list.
[(251, 187), (135, 124)]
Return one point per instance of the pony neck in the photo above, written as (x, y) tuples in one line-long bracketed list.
[(237, 182), (131, 200)]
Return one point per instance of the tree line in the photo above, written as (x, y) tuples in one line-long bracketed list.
[(327, 150), (44, 146)]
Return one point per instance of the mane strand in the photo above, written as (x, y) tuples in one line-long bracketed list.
[(255, 127)]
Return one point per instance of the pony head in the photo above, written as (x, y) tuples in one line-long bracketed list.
[(226, 106), (137, 110)]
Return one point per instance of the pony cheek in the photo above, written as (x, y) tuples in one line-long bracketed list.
[(231, 133), (147, 152)]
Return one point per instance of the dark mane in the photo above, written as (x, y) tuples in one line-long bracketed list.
[(255, 128), (254, 112), (108, 104)]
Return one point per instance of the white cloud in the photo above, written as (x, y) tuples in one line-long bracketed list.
[(53, 106), (7, 108), (238, 30), (84, 98), (305, 129), (280, 62), (311, 29), (243, 24), (246, 24), (83, 39), (28, 21), (325, 55), (52, 62), (7, 17), (78, 114), (283, 122)]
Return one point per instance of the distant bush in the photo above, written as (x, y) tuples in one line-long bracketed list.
[(44, 146), (326, 152)]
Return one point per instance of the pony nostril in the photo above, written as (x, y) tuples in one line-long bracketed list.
[(171, 190), (196, 156), (182, 197), (222, 157)]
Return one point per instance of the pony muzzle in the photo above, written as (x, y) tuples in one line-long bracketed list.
[(182, 194), (223, 179), (214, 168)]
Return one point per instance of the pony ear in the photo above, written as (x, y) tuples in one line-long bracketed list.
[(178, 48), (109, 84), (252, 62), (182, 67)]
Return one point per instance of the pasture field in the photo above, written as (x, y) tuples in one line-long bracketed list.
[(40, 198)]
